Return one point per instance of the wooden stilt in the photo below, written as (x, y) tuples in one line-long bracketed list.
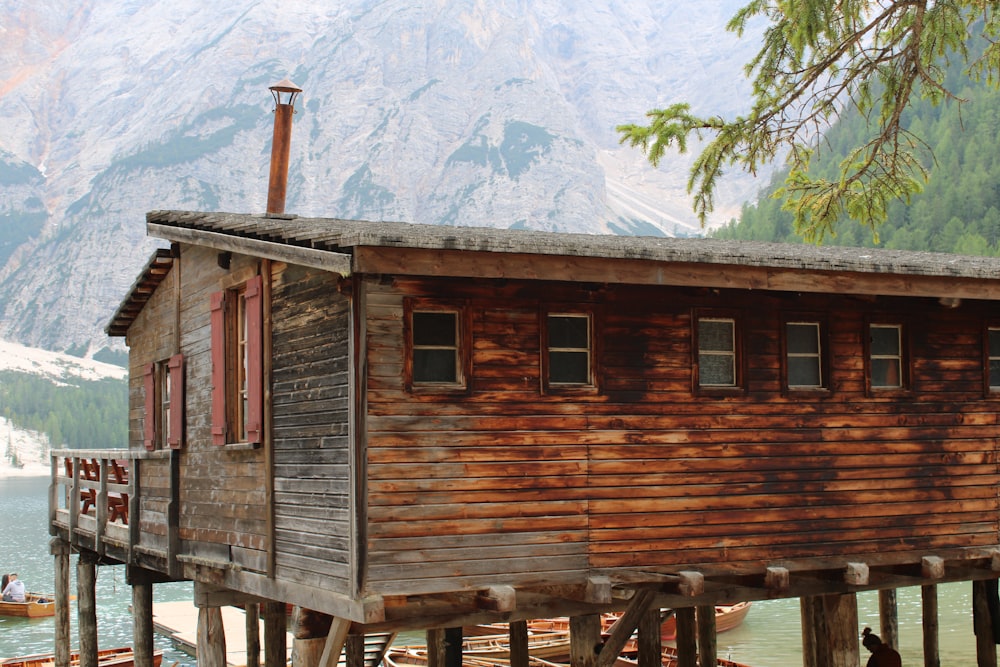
[(142, 621), (687, 639), (888, 617), (435, 647), (584, 640), (86, 607), (707, 647), (518, 631), (986, 648), (275, 647), (929, 610), (833, 627), (650, 639), (253, 634), (211, 651), (453, 647), (807, 614), (60, 549), (309, 635), (354, 651)]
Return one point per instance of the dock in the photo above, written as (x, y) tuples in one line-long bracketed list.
[(179, 622)]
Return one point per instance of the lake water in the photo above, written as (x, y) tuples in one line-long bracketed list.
[(770, 637)]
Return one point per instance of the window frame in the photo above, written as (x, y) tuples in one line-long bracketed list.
[(164, 404), (590, 385), (903, 354), (237, 333), (989, 390), (463, 345), (822, 355), (739, 358)]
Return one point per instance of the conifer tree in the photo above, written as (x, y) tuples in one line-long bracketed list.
[(819, 58)]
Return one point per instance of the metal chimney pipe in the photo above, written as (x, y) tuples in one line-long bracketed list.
[(284, 93)]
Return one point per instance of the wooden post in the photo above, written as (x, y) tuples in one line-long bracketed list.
[(86, 607), (707, 647), (986, 648), (211, 646), (435, 647), (253, 633), (807, 615), (834, 628), (453, 647), (888, 617), (142, 621), (60, 549), (309, 632), (584, 640), (929, 610), (650, 639), (687, 638), (275, 648), (354, 651), (518, 631)]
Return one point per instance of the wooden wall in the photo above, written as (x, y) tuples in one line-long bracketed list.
[(312, 477), (506, 483)]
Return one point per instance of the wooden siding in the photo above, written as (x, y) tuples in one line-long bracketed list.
[(505, 483), (312, 479)]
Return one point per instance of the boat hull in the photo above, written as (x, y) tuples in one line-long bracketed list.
[(112, 657), (30, 608)]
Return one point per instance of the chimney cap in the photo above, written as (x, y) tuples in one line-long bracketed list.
[(285, 86)]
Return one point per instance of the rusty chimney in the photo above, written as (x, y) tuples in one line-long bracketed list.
[(284, 93)]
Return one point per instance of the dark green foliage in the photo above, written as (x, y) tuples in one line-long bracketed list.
[(959, 208), (80, 414)]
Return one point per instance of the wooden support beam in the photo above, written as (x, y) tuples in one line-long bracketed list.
[(584, 640), (692, 583), (518, 636), (253, 633), (354, 650), (832, 630), (142, 624), (275, 646), (777, 578), (687, 640), (625, 626), (211, 651), (707, 646), (986, 648), (807, 614), (497, 598), (452, 647), (599, 590), (856, 574), (435, 647), (86, 607), (650, 639), (61, 550), (929, 613), (888, 617), (932, 567), (310, 634), (335, 640)]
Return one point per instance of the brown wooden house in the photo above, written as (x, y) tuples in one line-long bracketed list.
[(410, 427)]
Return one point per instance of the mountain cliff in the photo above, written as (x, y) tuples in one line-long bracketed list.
[(468, 112)]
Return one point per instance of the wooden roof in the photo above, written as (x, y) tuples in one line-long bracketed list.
[(142, 289)]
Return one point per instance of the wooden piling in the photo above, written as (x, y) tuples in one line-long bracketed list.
[(888, 617), (253, 634), (453, 647), (86, 607), (275, 647), (435, 647), (687, 640), (707, 646), (518, 631), (309, 635), (61, 550), (354, 651), (211, 646), (142, 621), (584, 640), (986, 648), (650, 639), (929, 612)]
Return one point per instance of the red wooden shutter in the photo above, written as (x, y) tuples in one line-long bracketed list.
[(149, 417), (176, 365), (255, 358), (218, 308)]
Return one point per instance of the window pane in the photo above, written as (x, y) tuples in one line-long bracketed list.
[(994, 342), (995, 372), (716, 369), (570, 367), (802, 338), (715, 335), (568, 331), (803, 372), (430, 365), (885, 340), (435, 328), (885, 373)]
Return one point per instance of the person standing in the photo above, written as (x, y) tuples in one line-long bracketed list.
[(883, 655), (14, 590)]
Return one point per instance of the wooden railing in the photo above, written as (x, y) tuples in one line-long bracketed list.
[(94, 496)]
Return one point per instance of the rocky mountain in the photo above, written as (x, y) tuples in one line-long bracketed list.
[(467, 112)]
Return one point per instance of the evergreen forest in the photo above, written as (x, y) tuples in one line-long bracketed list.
[(959, 209), (90, 414)]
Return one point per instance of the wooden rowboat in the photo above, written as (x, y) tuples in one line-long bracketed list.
[(727, 617), (416, 656), (35, 605), (109, 657)]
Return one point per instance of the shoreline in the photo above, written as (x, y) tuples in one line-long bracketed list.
[(29, 470)]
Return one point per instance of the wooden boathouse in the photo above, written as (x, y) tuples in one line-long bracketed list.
[(396, 427)]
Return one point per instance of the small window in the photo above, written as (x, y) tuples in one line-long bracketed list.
[(717, 352), (804, 355), (436, 351), (569, 349), (993, 358), (886, 356), (163, 380), (237, 364), (164, 404)]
